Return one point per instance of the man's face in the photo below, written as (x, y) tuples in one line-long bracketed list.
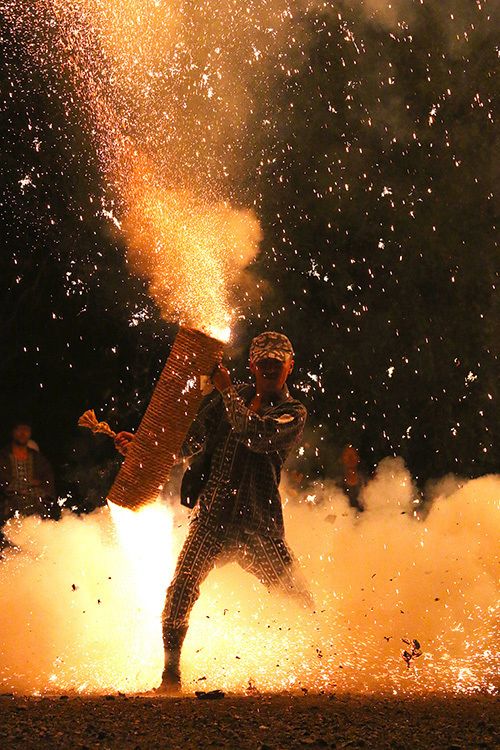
[(21, 434), (271, 374)]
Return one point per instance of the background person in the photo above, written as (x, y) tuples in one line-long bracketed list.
[(353, 478), (26, 478)]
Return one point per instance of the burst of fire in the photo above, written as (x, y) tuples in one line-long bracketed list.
[(190, 242), (191, 250), (146, 538)]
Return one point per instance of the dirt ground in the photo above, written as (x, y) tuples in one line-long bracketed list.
[(268, 722)]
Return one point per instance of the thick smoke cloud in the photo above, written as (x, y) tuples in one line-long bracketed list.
[(82, 610)]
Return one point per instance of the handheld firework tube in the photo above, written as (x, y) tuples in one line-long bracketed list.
[(168, 417)]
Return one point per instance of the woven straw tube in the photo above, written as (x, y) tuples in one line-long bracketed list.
[(168, 417)]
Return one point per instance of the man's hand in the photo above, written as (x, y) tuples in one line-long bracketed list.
[(220, 378), (122, 442)]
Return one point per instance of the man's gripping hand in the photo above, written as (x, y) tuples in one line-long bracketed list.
[(220, 378), (122, 442)]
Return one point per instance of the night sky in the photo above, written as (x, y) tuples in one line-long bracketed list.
[(364, 137)]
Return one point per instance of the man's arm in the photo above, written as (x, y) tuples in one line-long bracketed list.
[(264, 434), (260, 434)]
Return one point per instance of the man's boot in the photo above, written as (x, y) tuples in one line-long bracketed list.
[(171, 676)]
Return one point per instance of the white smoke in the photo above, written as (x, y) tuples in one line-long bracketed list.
[(82, 610), (78, 609)]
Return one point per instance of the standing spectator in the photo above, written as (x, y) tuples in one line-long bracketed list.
[(353, 477), (26, 478)]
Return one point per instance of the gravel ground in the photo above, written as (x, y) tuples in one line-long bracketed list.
[(273, 722)]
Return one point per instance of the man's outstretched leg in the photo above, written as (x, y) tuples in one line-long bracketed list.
[(171, 675), (272, 561), (196, 560)]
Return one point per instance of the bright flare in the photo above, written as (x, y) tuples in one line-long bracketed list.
[(193, 252)]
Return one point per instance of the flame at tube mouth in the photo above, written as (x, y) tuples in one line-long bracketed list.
[(192, 251), (222, 334)]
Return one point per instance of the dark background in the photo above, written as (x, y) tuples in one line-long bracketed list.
[(376, 183)]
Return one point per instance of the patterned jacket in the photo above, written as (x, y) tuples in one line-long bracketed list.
[(248, 450), (39, 500)]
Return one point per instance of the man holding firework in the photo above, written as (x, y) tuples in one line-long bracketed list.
[(239, 439)]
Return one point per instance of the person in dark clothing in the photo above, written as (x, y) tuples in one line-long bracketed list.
[(353, 477), (247, 432), (26, 478)]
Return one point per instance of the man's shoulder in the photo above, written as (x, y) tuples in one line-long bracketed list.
[(296, 405), (291, 397), (38, 457)]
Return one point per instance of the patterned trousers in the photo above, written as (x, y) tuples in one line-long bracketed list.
[(268, 558)]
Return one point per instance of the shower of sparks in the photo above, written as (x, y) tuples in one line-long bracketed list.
[(360, 127), (379, 127), (134, 72), (376, 145), (188, 249)]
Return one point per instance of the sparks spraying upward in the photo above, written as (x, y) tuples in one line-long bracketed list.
[(125, 68), (189, 249)]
